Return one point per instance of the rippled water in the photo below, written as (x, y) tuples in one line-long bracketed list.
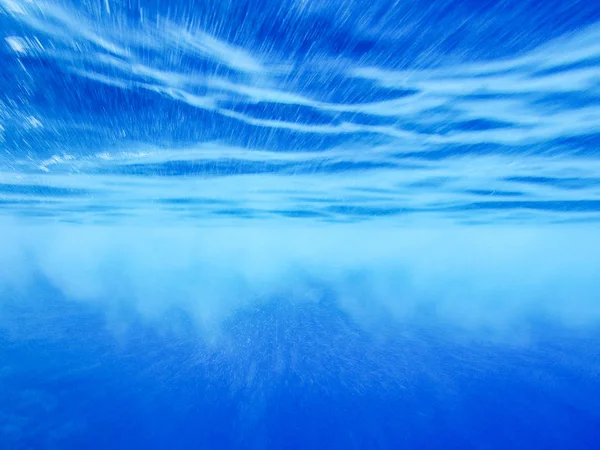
[(299, 224)]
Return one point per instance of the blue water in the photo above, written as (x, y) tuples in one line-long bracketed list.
[(299, 224)]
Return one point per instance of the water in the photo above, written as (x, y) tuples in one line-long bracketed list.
[(299, 224)]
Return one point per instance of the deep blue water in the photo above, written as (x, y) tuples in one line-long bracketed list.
[(299, 224)]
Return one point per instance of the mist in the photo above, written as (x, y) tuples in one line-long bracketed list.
[(485, 281)]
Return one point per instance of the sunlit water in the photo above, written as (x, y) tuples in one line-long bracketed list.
[(299, 224)]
